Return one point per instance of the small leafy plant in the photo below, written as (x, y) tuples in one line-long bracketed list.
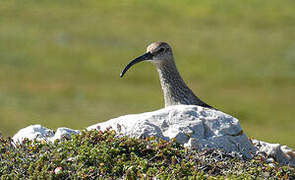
[(105, 154)]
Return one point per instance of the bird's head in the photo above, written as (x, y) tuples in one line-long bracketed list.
[(157, 53)]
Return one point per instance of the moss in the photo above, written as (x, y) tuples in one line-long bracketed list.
[(97, 154)]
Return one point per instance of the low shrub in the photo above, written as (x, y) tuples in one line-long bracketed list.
[(97, 154)]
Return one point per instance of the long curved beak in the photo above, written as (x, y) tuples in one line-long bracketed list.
[(146, 56)]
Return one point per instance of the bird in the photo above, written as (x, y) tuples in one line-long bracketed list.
[(174, 88)]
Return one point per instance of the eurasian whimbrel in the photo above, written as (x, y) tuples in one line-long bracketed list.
[(174, 88)]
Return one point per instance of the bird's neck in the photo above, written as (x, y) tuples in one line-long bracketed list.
[(174, 88)]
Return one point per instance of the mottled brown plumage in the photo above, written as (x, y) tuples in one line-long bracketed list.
[(174, 88)]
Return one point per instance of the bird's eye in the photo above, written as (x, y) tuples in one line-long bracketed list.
[(161, 50)]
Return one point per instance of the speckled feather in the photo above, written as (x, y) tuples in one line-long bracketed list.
[(174, 88)]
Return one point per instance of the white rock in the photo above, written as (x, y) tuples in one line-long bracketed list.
[(282, 154), (63, 133), (39, 132), (32, 132), (192, 126)]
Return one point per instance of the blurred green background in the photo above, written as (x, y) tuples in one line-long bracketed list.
[(60, 60)]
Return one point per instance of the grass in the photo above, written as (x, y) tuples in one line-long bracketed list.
[(60, 61)]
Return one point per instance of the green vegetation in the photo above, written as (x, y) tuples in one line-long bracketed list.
[(60, 60), (96, 154)]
